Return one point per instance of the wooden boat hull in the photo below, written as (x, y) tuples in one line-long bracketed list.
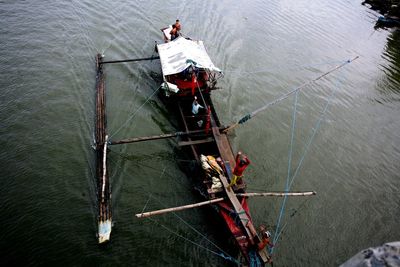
[(189, 77), (206, 143)]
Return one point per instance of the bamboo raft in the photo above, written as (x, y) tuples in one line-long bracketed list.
[(103, 184)]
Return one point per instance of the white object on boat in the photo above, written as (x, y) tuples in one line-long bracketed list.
[(172, 87), (104, 231), (216, 183), (176, 56), (167, 31)]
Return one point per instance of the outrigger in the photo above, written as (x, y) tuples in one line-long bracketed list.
[(189, 77), (188, 72)]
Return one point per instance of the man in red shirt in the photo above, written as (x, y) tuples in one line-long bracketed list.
[(241, 165)]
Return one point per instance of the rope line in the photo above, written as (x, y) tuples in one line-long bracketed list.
[(194, 243), (315, 129), (291, 216), (287, 187), (252, 114), (254, 260), (222, 254), (255, 112), (278, 231), (147, 202), (194, 229), (133, 115), (145, 205), (291, 68)]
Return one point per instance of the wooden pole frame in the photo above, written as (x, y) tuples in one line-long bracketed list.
[(208, 202)]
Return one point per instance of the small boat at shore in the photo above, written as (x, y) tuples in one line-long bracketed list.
[(388, 21)]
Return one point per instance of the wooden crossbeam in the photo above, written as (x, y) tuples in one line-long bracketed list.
[(129, 60), (196, 142)]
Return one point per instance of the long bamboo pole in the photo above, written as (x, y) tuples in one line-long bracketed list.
[(275, 194), (156, 137), (255, 112), (129, 60), (156, 212)]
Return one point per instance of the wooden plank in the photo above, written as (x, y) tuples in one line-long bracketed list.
[(129, 60), (157, 137), (241, 213), (196, 142), (187, 130), (224, 146), (227, 154)]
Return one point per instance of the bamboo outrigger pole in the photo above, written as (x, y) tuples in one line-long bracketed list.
[(129, 60), (102, 177), (252, 114), (157, 137), (275, 194)]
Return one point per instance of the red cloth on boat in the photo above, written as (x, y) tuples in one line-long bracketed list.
[(264, 242), (192, 84)]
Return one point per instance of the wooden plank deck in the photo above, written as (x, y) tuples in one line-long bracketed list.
[(195, 142), (227, 155), (187, 129)]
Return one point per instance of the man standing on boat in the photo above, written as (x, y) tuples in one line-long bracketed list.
[(196, 106), (265, 243), (195, 111), (241, 164), (174, 33), (178, 25)]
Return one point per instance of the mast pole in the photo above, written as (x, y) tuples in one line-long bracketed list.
[(255, 112)]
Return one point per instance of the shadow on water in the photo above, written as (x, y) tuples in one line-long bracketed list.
[(390, 85)]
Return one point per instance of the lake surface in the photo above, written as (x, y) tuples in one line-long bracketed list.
[(266, 49)]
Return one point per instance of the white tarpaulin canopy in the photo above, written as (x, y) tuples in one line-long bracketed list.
[(179, 54)]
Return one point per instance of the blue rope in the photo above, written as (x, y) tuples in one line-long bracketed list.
[(288, 173), (134, 114), (254, 260), (288, 186), (316, 128)]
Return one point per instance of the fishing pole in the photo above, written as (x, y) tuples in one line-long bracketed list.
[(255, 112)]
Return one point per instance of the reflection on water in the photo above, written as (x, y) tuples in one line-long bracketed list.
[(391, 68)]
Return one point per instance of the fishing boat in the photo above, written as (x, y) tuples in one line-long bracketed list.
[(189, 77)]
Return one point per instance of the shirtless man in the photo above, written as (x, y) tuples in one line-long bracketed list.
[(178, 25), (174, 33)]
